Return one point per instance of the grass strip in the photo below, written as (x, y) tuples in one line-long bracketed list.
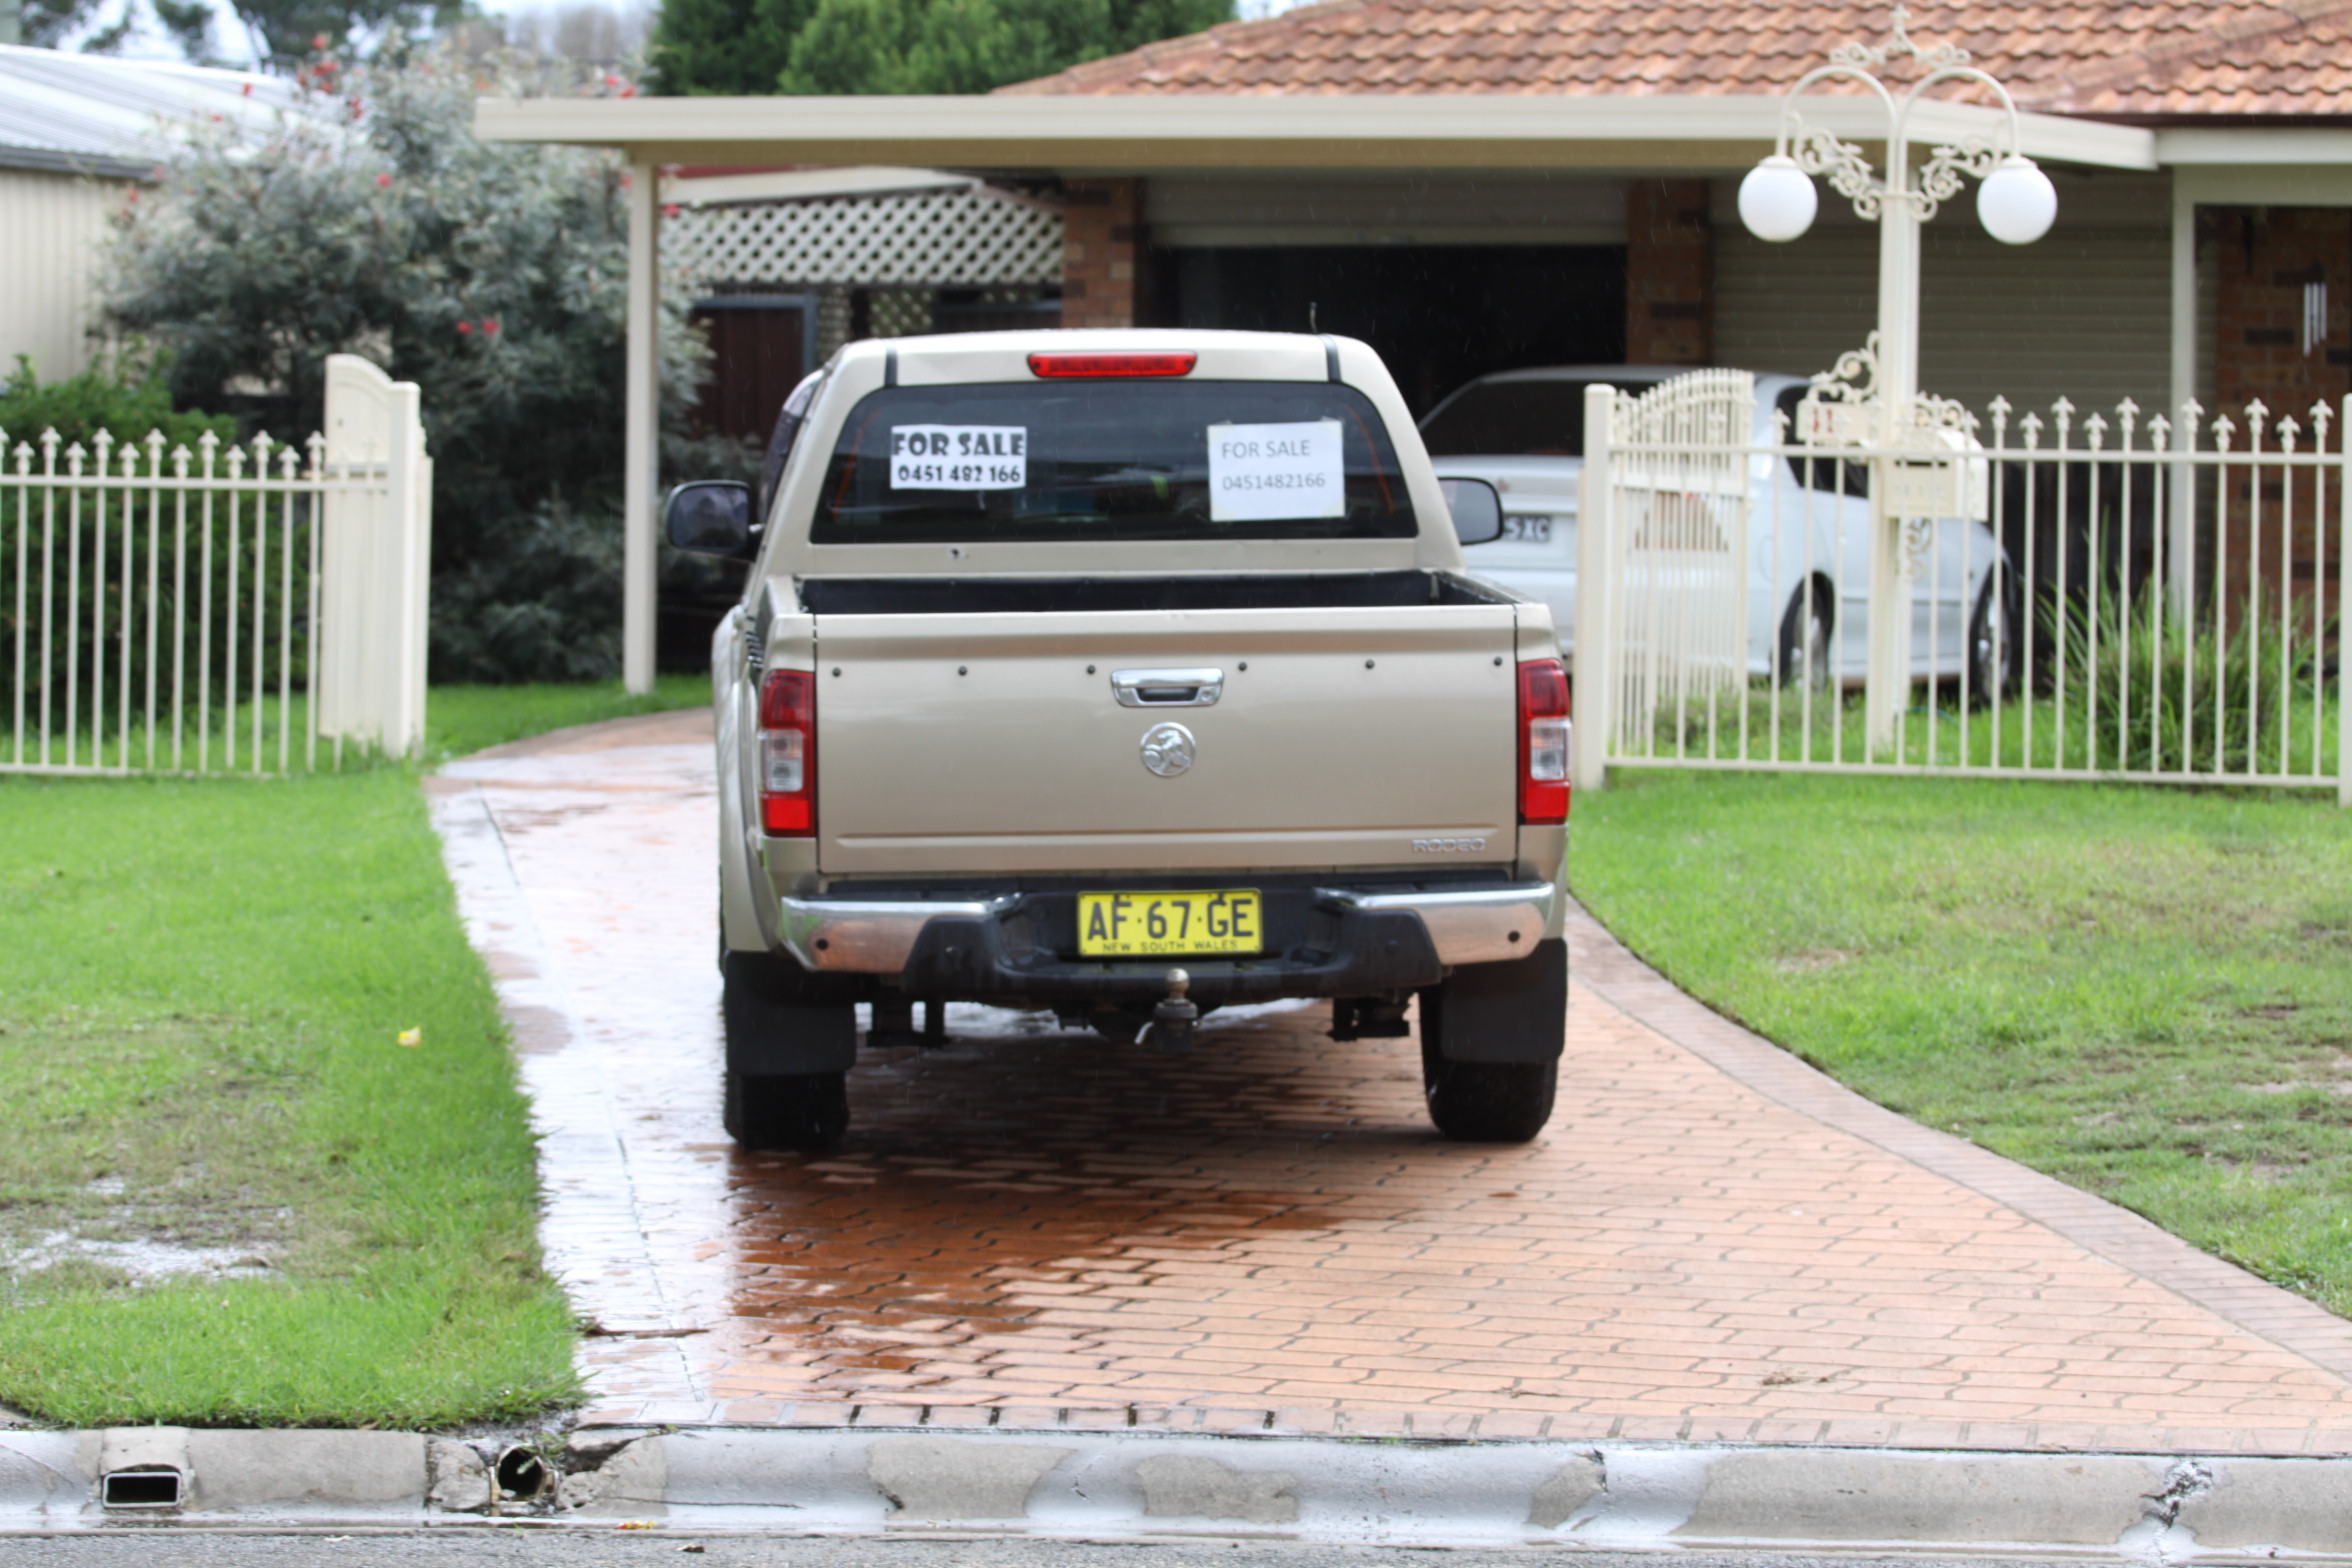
[(229, 1193), (460, 720), (2144, 992)]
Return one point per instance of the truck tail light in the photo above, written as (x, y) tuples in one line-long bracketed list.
[(788, 754), (1543, 741), (1102, 366)]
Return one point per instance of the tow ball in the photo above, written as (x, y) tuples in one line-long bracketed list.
[(1174, 1019)]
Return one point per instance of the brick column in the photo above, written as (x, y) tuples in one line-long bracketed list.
[(1102, 252), (1669, 274), (2268, 256)]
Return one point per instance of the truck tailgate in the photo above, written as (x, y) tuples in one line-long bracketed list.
[(973, 742)]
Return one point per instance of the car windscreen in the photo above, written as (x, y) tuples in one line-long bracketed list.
[(1495, 418), (1112, 460)]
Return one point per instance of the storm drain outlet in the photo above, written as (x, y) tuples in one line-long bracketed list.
[(153, 1487), (523, 1475)]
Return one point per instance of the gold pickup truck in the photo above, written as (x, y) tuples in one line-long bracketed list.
[(1127, 675)]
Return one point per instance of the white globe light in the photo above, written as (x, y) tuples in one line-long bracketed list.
[(2016, 203), (1777, 200)]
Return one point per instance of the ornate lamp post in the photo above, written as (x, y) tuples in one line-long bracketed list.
[(1777, 202)]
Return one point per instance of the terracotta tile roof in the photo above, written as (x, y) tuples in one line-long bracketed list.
[(2155, 57)]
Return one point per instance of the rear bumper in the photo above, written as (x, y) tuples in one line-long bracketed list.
[(1322, 941)]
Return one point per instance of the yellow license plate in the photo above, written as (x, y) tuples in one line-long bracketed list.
[(1152, 925)]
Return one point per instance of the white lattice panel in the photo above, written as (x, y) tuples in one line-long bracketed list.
[(932, 238)]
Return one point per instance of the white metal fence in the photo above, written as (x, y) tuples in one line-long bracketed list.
[(2051, 594), (219, 609)]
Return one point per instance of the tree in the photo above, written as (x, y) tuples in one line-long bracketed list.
[(734, 47), (46, 24), (492, 275), (286, 33), (902, 46)]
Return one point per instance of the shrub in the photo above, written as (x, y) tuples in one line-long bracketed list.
[(116, 396), (492, 275), (2165, 694), (125, 403)]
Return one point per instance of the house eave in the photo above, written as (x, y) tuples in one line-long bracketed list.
[(1145, 134), (87, 165)]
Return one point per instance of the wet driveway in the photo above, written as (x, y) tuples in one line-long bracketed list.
[(1033, 1226)]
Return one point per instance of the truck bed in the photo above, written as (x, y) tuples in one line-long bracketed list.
[(969, 725)]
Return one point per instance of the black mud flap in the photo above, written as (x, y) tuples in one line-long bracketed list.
[(783, 1021), (1507, 1012)]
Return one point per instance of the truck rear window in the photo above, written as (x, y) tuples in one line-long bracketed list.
[(1112, 460)]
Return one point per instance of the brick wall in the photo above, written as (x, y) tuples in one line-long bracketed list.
[(1102, 252), (2266, 258), (1669, 274)]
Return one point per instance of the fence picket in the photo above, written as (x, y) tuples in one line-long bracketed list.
[(104, 608), (2145, 596)]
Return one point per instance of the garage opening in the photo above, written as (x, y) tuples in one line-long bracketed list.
[(1438, 314)]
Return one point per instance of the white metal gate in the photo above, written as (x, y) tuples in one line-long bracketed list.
[(2054, 594), (221, 609)]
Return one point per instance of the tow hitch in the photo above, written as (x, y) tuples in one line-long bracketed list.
[(1174, 1019)]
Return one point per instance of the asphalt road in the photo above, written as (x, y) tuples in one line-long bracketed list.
[(607, 1548)]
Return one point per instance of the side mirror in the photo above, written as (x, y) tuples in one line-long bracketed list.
[(1477, 510), (710, 517)]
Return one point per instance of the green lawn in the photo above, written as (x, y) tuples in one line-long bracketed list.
[(203, 989), (463, 719), (2144, 992)]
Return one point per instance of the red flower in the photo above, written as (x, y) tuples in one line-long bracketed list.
[(318, 41), (465, 329), (629, 91), (669, 209), (490, 325), (383, 182), (612, 81)]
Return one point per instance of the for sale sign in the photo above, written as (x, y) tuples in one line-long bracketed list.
[(959, 457), (1276, 473)]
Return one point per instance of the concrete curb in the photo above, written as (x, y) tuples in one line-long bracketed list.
[(2132, 1507)]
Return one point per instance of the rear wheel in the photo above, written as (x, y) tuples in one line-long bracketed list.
[(1805, 631), (1992, 645), (1488, 1102), (798, 1111), (1490, 1046)]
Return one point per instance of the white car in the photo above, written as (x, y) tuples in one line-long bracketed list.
[(1809, 598)]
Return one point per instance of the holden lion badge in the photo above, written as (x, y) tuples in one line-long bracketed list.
[(1167, 750)]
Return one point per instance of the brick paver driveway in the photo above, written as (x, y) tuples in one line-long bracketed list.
[(1710, 1241)]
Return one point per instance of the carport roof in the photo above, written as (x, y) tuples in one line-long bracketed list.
[(1084, 133)]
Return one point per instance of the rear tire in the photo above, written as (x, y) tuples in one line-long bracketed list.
[(1992, 644), (803, 1111), (1491, 1036), (1806, 631), (1488, 1102)]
